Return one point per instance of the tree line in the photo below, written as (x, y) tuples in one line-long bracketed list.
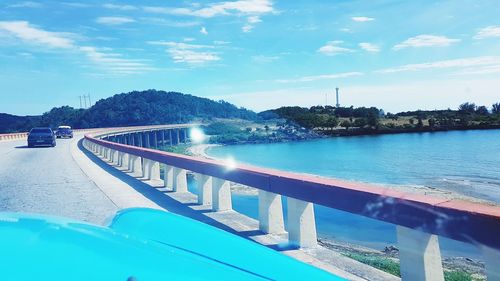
[(150, 107)]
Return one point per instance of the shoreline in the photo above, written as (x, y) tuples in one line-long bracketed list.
[(200, 150), (373, 256)]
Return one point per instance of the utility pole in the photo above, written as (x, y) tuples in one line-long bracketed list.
[(85, 101), (90, 103), (80, 101), (337, 91)]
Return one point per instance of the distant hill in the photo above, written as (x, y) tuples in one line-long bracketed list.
[(12, 123), (148, 107)]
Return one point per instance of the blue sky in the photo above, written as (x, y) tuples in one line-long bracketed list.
[(397, 55)]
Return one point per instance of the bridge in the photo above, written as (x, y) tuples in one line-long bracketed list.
[(103, 170)]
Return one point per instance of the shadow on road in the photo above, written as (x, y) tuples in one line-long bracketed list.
[(167, 202), (25, 146)]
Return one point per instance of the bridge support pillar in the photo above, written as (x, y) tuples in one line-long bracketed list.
[(270, 213), (154, 170), (120, 159), (419, 255), (221, 195), (145, 168), (491, 257), (135, 165), (124, 159), (113, 156), (301, 223), (168, 177), (204, 183), (180, 180)]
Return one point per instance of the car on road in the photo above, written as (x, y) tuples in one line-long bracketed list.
[(64, 132), (41, 136)]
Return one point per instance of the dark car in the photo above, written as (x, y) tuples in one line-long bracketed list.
[(41, 136), (64, 132)]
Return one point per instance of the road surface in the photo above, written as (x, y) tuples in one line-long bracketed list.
[(47, 180)]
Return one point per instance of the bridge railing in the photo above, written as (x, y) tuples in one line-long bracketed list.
[(420, 219)]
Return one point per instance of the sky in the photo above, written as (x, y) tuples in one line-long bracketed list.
[(259, 54)]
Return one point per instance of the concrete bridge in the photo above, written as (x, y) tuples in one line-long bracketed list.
[(92, 176)]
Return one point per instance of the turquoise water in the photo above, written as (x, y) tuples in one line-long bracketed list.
[(466, 162)]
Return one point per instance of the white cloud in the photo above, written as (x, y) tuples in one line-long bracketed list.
[(112, 62), (114, 20), (255, 7), (488, 32), (320, 77), (332, 48), (26, 4), (362, 19), (369, 47), (119, 7), (203, 30), (219, 42), (170, 23), (426, 40), (251, 8), (26, 32), (75, 4), (251, 21), (192, 54), (473, 62), (265, 59)]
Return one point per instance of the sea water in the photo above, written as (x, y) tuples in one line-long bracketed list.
[(466, 162)]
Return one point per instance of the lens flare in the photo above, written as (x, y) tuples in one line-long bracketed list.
[(197, 135), (230, 163)]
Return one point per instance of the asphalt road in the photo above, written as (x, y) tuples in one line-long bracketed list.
[(47, 180)]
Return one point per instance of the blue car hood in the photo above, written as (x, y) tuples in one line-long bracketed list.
[(141, 243)]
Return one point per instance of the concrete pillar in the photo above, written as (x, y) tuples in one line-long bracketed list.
[(125, 159), (204, 183), (145, 168), (221, 195), (301, 223), (154, 170), (162, 137), (148, 139), (177, 136), (270, 213), (119, 161), (419, 255), (155, 140), (180, 180), (135, 165), (492, 259), (168, 178), (113, 156), (139, 139), (186, 135), (170, 137)]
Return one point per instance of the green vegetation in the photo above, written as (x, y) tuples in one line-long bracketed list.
[(358, 121), (385, 264), (131, 109), (233, 132), (391, 266), (179, 149)]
